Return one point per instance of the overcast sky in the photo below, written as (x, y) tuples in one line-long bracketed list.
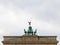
[(15, 14)]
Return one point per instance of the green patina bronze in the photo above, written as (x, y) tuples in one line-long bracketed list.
[(30, 30)]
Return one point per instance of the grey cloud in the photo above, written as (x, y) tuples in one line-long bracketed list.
[(41, 9), (45, 10)]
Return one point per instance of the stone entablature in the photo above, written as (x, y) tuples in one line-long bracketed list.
[(30, 39)]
